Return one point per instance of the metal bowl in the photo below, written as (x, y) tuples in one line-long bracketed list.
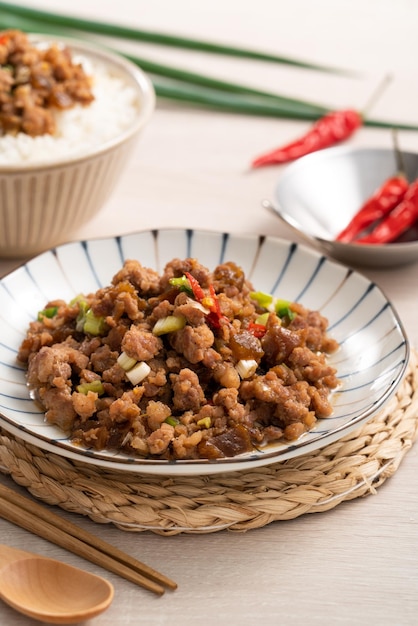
[(318, 194)]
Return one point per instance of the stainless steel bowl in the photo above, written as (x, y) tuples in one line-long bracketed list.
[(318, 194)]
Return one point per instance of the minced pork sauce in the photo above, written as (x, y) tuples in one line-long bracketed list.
[(189, 364), (56, 103)]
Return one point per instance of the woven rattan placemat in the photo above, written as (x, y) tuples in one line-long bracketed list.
[(354, 466)]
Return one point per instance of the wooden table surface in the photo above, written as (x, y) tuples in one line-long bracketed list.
[(358, 563)]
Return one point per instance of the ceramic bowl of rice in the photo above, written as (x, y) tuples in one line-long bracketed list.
[(51, 183)]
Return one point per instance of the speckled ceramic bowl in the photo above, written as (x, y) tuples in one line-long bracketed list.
[(318, 194), (42, 203)]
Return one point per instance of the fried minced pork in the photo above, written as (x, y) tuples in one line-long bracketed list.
[(36, 80), (217, 384)]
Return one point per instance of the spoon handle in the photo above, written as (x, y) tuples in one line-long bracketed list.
[(42, 528), (71, 529)]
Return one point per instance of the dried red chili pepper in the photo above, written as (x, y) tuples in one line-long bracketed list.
[(198, 292), (327, 131), (397, 221), (215, 307), (258, 330), (215, 315), (384, 199)]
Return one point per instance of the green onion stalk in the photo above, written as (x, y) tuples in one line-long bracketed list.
[(179, 85), (163, 39)]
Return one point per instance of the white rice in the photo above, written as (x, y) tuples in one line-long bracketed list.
[(80, 128)]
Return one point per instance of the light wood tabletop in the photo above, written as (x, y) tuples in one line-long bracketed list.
[(356, 564)]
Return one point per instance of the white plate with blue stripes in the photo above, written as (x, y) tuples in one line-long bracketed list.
[(370, 362)]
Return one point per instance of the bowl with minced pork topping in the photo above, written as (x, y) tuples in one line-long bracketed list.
[(189, 352), (70, 113)]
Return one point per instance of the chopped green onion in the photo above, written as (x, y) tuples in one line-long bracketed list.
[(280, 306), (96, 386), (182, 283), (49, 312), (126, 362), (77, 299), (246, 367), (262, 319), (81, 317), (205, 422), (283, 309), (262, 299), (287, 313), (172, 421), (93, 324), (169, 324), (138, 373)]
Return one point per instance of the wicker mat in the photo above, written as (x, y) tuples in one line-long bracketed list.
[(354, 466)]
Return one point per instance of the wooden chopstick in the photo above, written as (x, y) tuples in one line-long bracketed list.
[(36, 519)]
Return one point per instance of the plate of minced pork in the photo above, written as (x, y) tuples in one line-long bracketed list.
[(181, 352)]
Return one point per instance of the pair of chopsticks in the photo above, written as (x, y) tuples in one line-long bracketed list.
[(38, 520)]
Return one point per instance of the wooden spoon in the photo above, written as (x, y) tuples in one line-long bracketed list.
[(49, 590)]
